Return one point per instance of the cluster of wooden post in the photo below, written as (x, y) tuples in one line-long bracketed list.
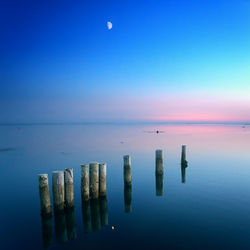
[(94, 214), (62, 188), (93, 180), (93, 192), (63, 203)]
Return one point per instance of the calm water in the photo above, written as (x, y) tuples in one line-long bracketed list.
[(210, 210)]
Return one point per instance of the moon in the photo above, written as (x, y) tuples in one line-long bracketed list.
[(109, 25)]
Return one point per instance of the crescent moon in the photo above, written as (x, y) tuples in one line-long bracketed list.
[(109, 25)]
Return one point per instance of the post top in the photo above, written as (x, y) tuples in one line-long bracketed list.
[(84, 165), (43, 175), (93, 163), (102, 164), (57, 172)]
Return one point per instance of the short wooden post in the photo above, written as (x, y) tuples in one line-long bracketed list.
[(45, 203), (94, 180), (128, 198), (69, 187), (85, 182), (127, 170), (158, 162), (104, 211), (159, 184), (58, 189), (86, 216), (183, 154), (102, 179)]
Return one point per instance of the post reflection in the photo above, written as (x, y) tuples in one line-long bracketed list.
[(70, 223), (184, 165), (60, 226), (86, 216), (46, 230), (95, 214), (104, 211), (128, 198), (159, 184)]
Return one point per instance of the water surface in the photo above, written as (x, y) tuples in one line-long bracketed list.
[(203, 206)]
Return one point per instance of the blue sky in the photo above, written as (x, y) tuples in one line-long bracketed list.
[(162, 60)]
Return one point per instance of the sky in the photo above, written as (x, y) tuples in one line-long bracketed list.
[(169, 60)]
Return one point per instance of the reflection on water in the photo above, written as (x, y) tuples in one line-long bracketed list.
[(184, 165), (95, 214), (104, 211), (46, 230), (60, 226), (128, 198), (86, 216), (159, 184), (218, 189), (70, 221)]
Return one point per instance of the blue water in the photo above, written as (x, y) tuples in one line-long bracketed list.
[(210, 210)]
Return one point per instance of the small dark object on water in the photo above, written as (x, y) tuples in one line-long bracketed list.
[(157, 131), (6, 149)]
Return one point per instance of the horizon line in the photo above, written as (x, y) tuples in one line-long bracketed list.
[(128, 122)]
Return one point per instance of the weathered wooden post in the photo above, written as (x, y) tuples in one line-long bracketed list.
[(102, 179), (94, 180), (58, 189), (128, 198), (70, 223), (85, 182), (183, 154), (127, 170), (95, 215), (104, 211), (45, 203), (86, 216), (158, 162), (69, 187)]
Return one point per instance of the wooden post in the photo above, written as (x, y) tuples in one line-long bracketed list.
[(69, 187), (45, 203), (104, 211), (94, 180), (58, 189), (102, 179), (85, 182), (86, 216), (183, 154), (158, 162), (127, 170)]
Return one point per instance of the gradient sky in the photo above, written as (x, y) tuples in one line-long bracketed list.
[(172, 60)]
